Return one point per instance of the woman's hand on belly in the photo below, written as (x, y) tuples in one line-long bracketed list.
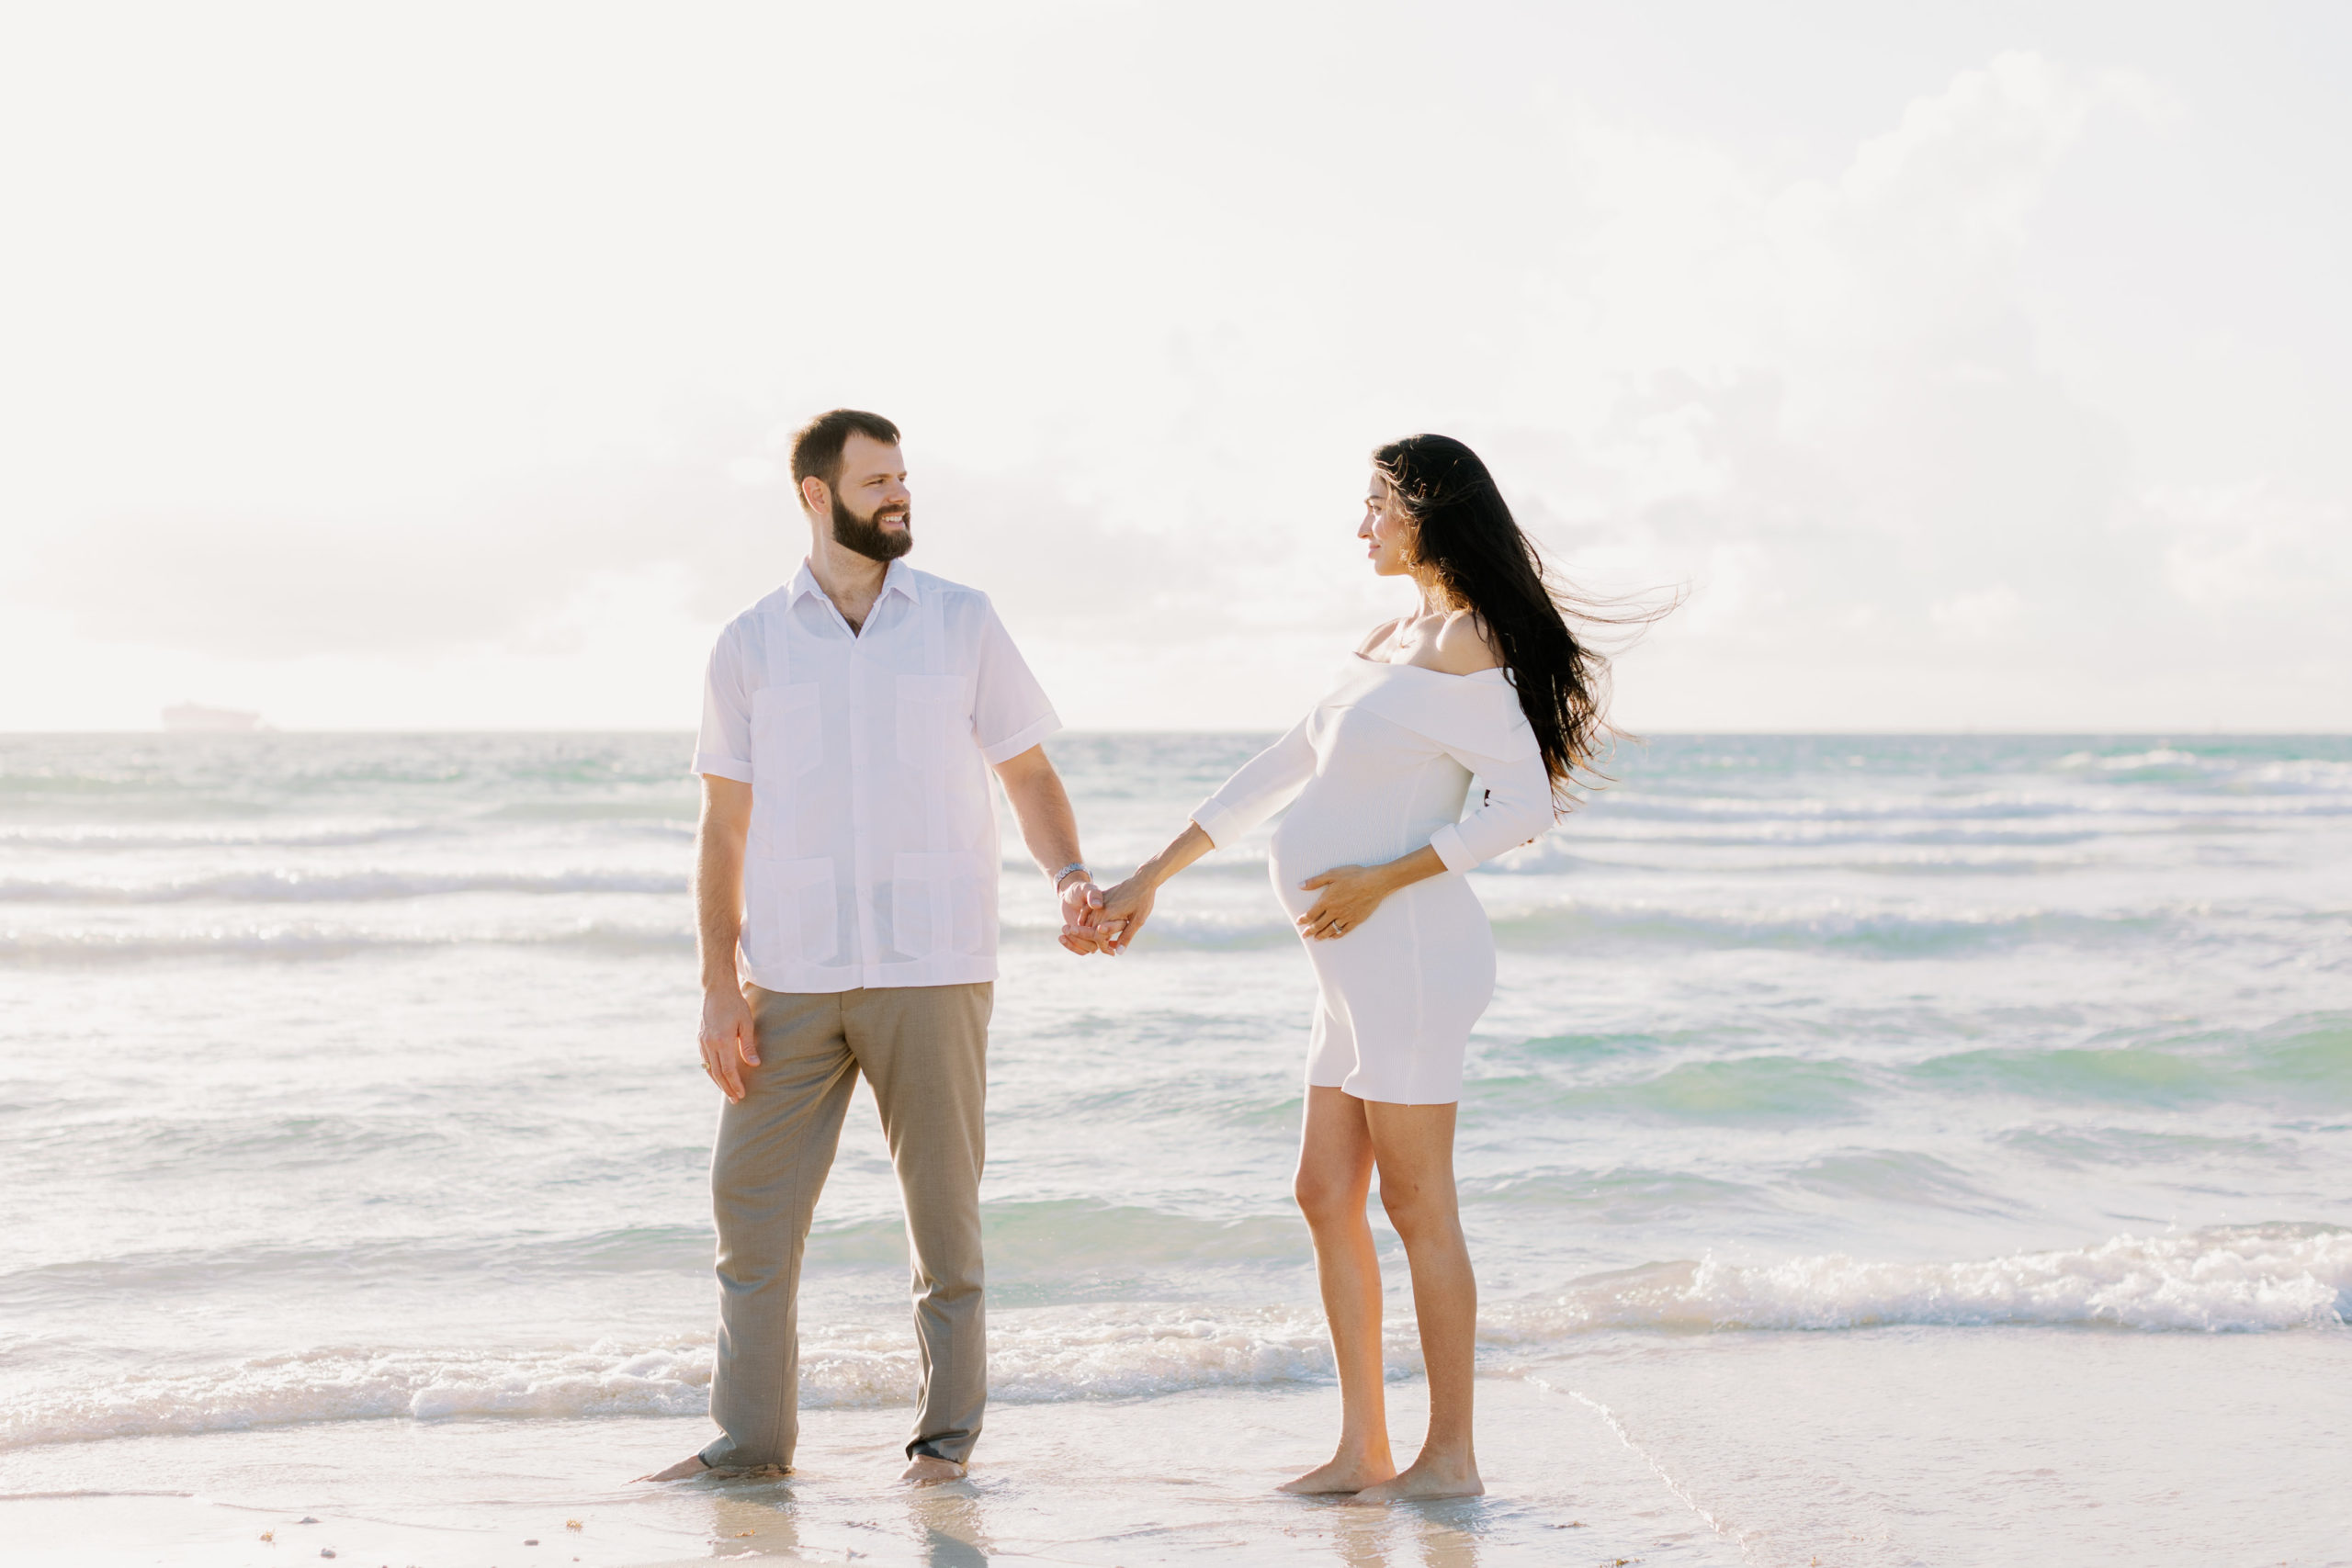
[(1350, 895), (1347, 895)]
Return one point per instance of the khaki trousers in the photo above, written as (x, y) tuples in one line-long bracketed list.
[(924, 1049)]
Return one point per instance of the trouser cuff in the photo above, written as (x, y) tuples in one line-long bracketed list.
[(955, 1448), (725, 1456)]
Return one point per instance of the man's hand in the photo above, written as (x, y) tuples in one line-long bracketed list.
[(729, 1043), (1080, 900), (1050, 830)]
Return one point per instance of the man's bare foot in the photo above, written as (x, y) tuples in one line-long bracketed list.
[(1342, 1476), (926, 1469), (691, 1465), (1423, 1480)]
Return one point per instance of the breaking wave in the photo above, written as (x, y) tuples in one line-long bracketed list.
[(2229, 1279), (2236, 1278), (1034, 1358), (336, 887), (297, 941)]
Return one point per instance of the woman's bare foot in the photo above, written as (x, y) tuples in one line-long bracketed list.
[(926, 1469), (689, 1466), (1342, 1476), (1426, 1477)]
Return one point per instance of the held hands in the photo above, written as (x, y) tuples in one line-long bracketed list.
[(1350, 893), (1116, 917), (1081, 902), (1124, 910)]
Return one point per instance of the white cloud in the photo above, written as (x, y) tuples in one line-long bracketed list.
[(1981, 616), (457, 359)]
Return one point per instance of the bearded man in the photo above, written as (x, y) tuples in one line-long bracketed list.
[(845, 883)]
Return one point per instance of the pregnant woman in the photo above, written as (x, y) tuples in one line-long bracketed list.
[(1486, 678)]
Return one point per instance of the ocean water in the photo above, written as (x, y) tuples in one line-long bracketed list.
[(347, 1097)]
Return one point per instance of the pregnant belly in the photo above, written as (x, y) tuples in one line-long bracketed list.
[(1437, 917), (1299, 852), (1305, 846)]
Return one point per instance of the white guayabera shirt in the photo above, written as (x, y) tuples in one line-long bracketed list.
[(873, 855)]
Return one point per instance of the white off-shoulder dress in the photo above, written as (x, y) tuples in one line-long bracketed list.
[(1381, 767)]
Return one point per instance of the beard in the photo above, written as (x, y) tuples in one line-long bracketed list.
[(866, 536)]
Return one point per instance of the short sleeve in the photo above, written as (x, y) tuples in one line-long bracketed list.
[(723, 746), (1009, 713)]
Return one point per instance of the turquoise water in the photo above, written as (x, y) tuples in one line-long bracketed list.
[(348, 1077)]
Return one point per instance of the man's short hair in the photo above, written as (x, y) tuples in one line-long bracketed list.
[(817, 446)]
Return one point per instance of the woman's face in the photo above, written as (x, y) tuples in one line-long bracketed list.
[(1386, 530)]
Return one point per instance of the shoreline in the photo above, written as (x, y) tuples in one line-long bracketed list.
[(1863, 1447)]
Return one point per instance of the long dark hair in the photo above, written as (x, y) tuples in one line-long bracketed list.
[(1464, 532)]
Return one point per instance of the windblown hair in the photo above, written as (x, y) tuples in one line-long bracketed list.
[(1463, 530), (817, 446)]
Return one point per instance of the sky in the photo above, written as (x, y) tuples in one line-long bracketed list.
[(1964, 367)]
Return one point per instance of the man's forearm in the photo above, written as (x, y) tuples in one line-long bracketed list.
[(1049, 825), (718, 881), (1051, 837), (719, 911)]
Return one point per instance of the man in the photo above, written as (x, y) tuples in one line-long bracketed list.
[(846, 883)]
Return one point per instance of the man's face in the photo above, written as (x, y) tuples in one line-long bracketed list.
[(872, 513)]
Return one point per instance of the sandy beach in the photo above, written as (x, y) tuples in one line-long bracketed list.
[(1892, 1446)]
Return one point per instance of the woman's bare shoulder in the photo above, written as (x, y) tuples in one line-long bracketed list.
[(1379, 636), (1464, 646)]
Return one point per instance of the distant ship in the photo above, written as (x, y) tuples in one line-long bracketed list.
[(192, 718)]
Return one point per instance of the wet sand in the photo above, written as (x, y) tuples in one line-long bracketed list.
[(1897, 1445)]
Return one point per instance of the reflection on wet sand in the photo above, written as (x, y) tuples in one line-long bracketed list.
[(1127, 1482), (945, 1521), (949, 1521), (751, 1516), (1406, 1535)]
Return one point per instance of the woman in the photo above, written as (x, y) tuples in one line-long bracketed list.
[(1486, 678)]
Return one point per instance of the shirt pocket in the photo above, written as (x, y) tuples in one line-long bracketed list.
[(939, 905), (793, 914), (787, 729), (934, 714)]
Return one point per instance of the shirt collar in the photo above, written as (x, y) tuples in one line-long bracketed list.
[(898, 577)]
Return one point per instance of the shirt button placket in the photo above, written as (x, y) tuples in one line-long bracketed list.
[(860, 850)]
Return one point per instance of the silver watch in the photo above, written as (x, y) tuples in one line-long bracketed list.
[(1062, 875)]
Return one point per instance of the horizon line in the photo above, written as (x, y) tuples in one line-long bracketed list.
[(272, 732)]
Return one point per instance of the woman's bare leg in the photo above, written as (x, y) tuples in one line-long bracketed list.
[(1334, 1177), (1413, 1146)]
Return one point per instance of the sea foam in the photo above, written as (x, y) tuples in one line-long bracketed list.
[(2243, 1279), (277, 886), (1035, 1356), (2230, 1279)]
